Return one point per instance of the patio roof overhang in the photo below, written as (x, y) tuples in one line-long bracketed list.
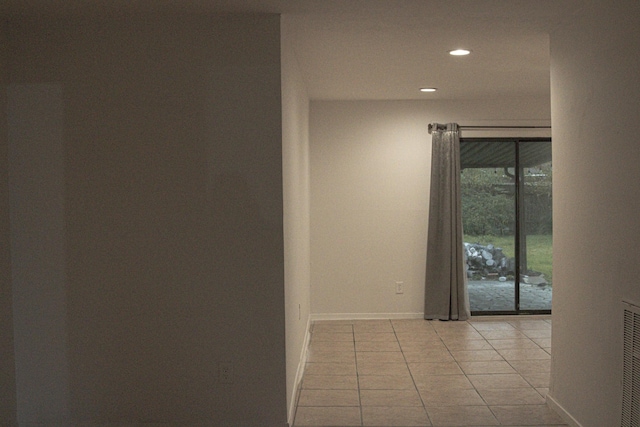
[(501, 153)]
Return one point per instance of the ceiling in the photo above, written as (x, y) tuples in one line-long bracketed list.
[(388, 49)]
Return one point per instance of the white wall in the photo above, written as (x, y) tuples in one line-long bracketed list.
[(295, 171), (370, 165), (172, 235), (596, 130)]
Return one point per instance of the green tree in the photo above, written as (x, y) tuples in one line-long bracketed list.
[(487, 202)]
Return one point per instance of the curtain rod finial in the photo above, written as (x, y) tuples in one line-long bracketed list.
[(435, 127)]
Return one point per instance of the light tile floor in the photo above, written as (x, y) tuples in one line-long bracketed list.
[(415, 372)]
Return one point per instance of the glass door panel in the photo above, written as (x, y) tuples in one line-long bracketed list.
[(507, 224), (488, 189), (536, 278)]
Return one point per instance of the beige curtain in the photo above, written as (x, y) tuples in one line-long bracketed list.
[(445, 288)]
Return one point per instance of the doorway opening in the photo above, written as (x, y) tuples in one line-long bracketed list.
[(507, 224)]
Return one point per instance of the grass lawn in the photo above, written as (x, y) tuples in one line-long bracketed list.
[(539, 250)]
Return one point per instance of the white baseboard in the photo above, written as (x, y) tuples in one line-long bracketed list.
[(365, 316), (566, 416), (299, 373)]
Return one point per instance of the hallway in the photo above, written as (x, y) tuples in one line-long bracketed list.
[(482, 372)]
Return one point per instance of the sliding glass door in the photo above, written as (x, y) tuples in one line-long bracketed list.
[(506, 215)]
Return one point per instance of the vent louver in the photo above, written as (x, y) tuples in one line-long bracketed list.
[(631, 373)]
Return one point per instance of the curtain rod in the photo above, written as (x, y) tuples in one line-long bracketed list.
[(453, 126), (504, 127)]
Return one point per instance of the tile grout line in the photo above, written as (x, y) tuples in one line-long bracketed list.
[(396, 331), (355, 356), (512, 367), (474, 387), (424, 406)]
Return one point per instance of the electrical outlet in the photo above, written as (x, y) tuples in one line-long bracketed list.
[(399, 287), (225, 372)]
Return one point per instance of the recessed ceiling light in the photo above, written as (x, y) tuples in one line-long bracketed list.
[(459, 52), (428, 89)]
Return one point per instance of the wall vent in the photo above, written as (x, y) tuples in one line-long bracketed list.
[(631, 373)]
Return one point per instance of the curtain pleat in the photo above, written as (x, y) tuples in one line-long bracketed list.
[(445, 281)]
